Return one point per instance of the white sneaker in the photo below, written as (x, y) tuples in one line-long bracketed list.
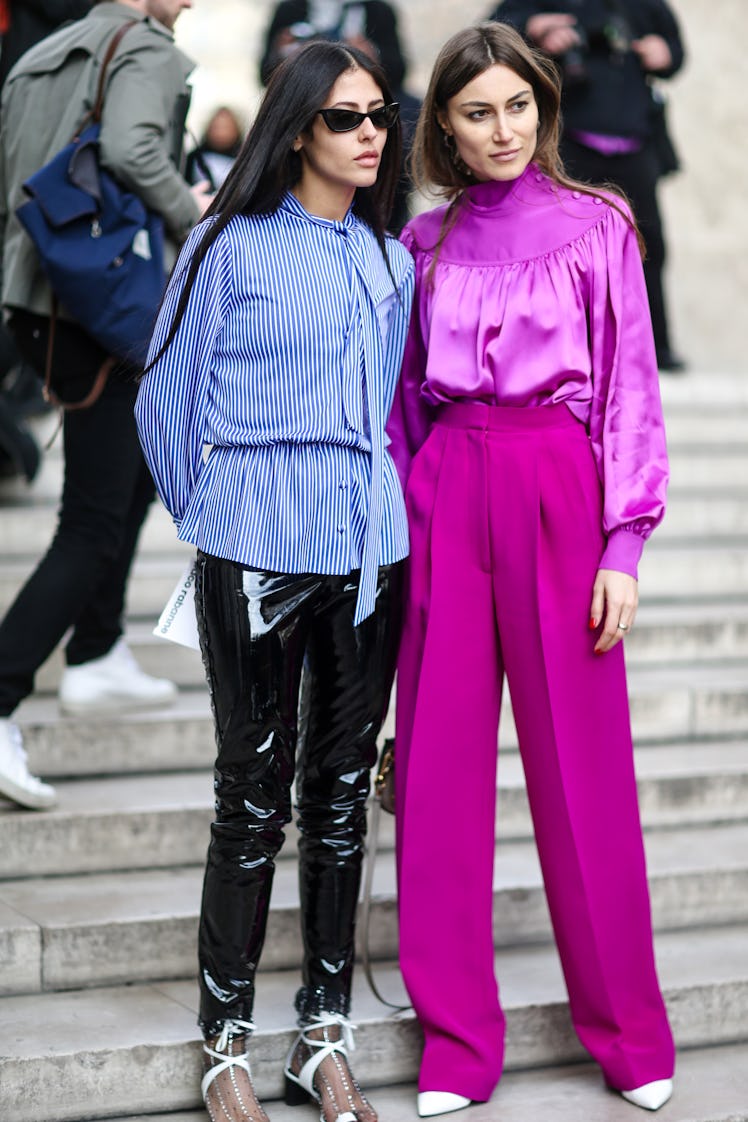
[(16, 781), (651, 1096), (112, 684)]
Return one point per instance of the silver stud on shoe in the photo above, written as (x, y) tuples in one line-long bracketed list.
[(314, 1043), (227, 1061)]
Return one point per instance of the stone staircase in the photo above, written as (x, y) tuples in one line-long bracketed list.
[(99, 897)]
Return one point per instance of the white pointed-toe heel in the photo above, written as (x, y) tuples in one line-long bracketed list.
[(431, 1103), (650, 1096)]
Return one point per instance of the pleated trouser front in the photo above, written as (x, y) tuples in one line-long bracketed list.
[(505, 516)]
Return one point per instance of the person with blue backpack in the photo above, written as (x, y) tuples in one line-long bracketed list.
[(80, 583)]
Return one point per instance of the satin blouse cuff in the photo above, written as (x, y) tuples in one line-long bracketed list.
[(623, 551)]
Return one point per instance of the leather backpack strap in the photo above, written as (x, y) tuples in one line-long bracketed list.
[(114, 42), (99, 381), (94, 115)]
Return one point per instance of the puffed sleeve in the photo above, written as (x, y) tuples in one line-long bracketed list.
[(627, 429), (411, 416), (174, 393)]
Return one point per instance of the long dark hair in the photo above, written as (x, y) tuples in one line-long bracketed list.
[(462, 58), (267, 167)]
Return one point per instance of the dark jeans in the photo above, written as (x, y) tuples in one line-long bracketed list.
[(635, 173), (81, 580), (256, 630)]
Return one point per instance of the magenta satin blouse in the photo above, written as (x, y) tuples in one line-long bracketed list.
[(538, 296)]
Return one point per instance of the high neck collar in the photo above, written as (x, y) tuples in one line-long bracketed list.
[(292, 204), (494, 194)]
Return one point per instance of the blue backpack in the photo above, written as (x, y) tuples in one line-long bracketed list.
[(100, 248)]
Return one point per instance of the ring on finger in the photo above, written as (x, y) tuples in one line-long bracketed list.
[(623, 626)]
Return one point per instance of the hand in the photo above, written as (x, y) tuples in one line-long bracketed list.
[(615, 597), (553, 32), (202, 195), (653, 52)]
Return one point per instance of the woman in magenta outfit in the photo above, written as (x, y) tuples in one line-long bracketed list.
[(529, 431)]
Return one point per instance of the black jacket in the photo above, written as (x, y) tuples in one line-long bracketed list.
[(381, 30), (616, 99), (32, 20)]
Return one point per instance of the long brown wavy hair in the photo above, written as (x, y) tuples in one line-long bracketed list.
[(462, 58)]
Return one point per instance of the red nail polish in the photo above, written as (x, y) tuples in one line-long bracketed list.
[(593, 623), (599, 653)]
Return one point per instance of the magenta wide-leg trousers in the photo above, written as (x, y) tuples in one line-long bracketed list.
[(505, 517)]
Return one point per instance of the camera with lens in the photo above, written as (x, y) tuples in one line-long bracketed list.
[(613, 38)]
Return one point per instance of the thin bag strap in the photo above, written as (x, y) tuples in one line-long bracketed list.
[(371, 854), (99, 381)]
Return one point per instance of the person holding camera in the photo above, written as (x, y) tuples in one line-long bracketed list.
[(370, 26), (608, 52)]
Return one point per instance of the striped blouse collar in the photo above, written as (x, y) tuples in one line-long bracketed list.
[(292, 205)]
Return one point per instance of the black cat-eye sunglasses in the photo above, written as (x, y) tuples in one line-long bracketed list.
[(346, 120)]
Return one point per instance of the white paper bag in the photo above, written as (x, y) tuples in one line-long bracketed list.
[(177, 621)]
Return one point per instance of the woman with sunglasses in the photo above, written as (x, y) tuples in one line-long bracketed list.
[(262, 414), (529, 428)]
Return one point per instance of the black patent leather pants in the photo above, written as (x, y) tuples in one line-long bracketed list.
[(256, 631)]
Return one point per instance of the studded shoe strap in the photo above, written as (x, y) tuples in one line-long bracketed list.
[(230, 1028), (324, 1048)]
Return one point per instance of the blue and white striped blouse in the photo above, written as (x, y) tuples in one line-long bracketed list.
[(263, 423)]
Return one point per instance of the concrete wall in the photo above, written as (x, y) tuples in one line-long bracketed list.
[(704, 207)]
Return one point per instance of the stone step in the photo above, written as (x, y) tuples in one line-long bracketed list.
[(696, 513), (161, 820), (184, 665), (69, 932), (693, 514), (177, 738), (671, 703), (27, 531), (713, 466), (664, 634), (671, 570), (678, 570), (688, 631), (707, 391), (120, 1050), (711, 1085)]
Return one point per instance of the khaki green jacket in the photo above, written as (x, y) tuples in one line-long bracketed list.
[(46, 97)]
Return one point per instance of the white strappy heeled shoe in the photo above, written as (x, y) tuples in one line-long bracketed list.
[(228, 1062), (300, 1085)]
